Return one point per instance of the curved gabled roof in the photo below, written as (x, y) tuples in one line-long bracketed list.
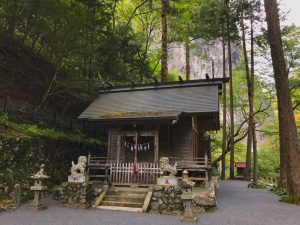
[(155, 101)]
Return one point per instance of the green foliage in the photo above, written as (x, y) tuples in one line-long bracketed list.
[(81, 37), (284, 195), (215, 172), (29, 130), (259, 185), (289, 199), (210, 19), (268, 163)]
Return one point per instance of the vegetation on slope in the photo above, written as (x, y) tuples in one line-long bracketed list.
[(11, 129)]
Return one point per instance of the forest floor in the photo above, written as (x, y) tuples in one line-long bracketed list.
[(237, 205)]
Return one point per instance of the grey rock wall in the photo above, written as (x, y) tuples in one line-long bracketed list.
[(200, 62)]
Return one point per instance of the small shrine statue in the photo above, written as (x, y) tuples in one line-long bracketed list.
[(166, 168), (79, 168), (78, 171), (167, 173)]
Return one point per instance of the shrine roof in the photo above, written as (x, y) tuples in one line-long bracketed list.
[(160, 101), (240, 165)]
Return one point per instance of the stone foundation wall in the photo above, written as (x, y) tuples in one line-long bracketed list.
[(166, 200), (80, 195)]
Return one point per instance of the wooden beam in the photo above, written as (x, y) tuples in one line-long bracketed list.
[(156, 145), (109, 146), (118, 147), (141, 133)]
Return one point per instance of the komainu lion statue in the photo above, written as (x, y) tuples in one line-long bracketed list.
[(166, 168), (79, 168)]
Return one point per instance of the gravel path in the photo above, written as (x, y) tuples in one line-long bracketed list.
[(237, 205)]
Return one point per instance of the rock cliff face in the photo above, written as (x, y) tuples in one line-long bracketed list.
[(200, 59)]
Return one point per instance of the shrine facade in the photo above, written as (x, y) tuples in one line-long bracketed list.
[(147, 122)]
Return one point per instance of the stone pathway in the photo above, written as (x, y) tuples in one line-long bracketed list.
[(237, 205)]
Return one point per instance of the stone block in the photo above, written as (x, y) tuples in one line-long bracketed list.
[(77, 178)]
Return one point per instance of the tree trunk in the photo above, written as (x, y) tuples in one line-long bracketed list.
[(255, 161), (224, 114), (231, 102), (250, 97), (289, 145), (187, 60), (164, 41)]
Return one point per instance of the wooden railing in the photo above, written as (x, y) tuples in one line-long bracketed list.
[(123, 173), (199, 167), (97, 168), (191, 162)]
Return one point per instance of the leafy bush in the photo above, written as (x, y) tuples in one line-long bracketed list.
[(284, 196), (215, 172), (258, 185)]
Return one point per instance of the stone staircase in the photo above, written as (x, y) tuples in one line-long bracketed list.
[(126, 199)]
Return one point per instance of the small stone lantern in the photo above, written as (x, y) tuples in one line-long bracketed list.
[(38, 187), (187, 198)]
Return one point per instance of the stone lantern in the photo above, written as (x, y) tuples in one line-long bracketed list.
[(38, 187), (187, 198)]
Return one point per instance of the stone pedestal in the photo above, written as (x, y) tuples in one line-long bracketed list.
[(166, 200), (36, 202), (79, 195), (188, 215), (77, 178), (167, 180)]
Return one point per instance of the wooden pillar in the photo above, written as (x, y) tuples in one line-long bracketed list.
[(136, 137), (156, 145), (169, 138), (206, 168), (108, 158), (118, 147), (88, 163)]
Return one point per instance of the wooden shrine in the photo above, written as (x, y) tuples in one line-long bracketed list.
[(147, 122)]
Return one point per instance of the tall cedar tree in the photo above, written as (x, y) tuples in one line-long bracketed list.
[(251, 112), (250, 96), (289, 145), (231, 175), (224, 139), (164, 40), (187, 59)]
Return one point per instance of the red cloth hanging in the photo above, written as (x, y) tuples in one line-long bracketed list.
[(134, 167)]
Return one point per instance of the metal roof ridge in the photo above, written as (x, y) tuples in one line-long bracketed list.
[(177, 84)]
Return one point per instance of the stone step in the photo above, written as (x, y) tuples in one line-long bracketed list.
[(127, 199), (121, 198), (129, 189), (122, 204), (126, 193), (127, 209)]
